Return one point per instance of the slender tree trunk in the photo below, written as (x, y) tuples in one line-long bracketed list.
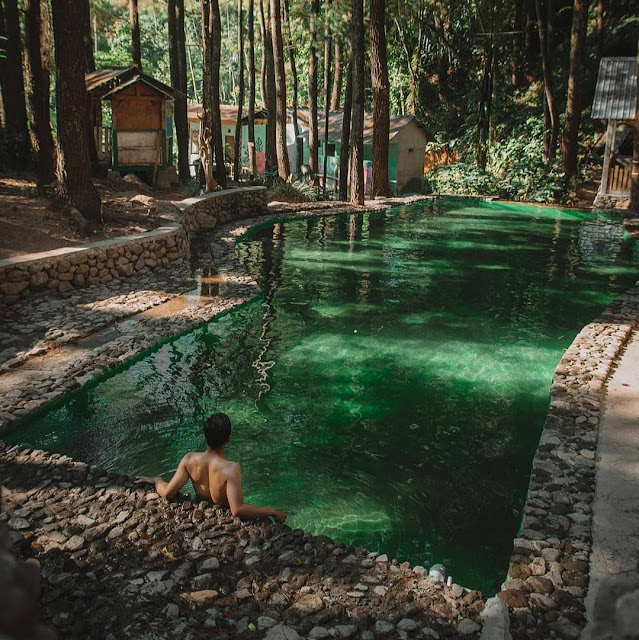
[(531, 49), (600, 28), (177, 60), (336, 95), (548, 88), (313, 129), (483, 122), (346, 134), (74, 167), (381, 99), (357, 110), (134, 19), (517, 59), (291, 52), (13, 98), (237, 164), (271, 104), (252, 159), (263, 89), (634, 185), (328, 48), (89, 55), (575, 87), (37, 49), (216, 40), (283, 165)]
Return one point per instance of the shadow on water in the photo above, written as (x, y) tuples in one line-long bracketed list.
[(390, 386)]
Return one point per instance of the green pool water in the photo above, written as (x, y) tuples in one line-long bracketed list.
[(389, 387)]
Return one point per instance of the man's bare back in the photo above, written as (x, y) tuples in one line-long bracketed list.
[(214, 477)]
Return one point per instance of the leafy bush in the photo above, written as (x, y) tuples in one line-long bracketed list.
[(295, 190), (459, 178)]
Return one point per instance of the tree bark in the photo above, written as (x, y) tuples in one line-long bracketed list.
[(575, 87), (551, 146), (177, 60), (134, 19), (346, 134), (328, 48), (531, 48), (381, 99), (291, 53), (74, 167), (483, 121), (38, 54), (252, 159), (13, 97), (271, 104), (313, 129), (338, 66), (283, 165), (357, 110), (517, 78), (600, 28), (89, 56), (237, 164)]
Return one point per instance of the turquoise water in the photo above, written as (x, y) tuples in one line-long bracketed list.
[(389, 387)]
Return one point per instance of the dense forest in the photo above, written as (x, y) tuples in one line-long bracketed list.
[(503, 88)]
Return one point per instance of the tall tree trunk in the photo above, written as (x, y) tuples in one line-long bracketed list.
[(346, 134), (283, 165), (134, 19), (252, 159), (531, 48), (517, 78), (37, 49), (13, 98), (485, 100), (271, 103), (381, 99), (548, 88), (74, 167), (328, 48), (89, 56), (291, 53), (600, 28), (313, 129), (211, 146), (634, 185), (237, 164), (575, 87), (177, 60), (336, 95), (357, 110), (263, 60)]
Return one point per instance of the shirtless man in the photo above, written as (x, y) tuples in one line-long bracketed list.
[(213, 476)]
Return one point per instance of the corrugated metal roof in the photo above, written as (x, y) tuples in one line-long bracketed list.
[(104, 81), (616, 93)]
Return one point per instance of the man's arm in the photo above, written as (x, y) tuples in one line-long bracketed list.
[(242, 509), (169, 489)]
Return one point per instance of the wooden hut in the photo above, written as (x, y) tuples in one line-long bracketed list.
[(141, 134), (616, 101)]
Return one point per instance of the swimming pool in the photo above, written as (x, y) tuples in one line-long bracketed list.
[(389, 387)]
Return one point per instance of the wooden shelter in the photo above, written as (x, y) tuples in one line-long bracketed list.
[(141, 134), (616, 101)]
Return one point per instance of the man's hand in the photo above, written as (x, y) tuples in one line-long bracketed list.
[(146, 480), (279, 516)]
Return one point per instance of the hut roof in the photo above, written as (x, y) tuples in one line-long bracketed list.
[(228, 112), (616, 92), (108, 81), (335, 118)]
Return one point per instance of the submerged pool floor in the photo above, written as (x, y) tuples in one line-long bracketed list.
[(389, 387)]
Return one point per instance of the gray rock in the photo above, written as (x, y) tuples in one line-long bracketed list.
[(171, 611), (384, 628), (407, 625), (156, 576), (281, 632), (265, 622), (210, 564), (19, 524), (318, 633), (467, 627), (160, 589), (496, 621), (75, 543), (345, 630)]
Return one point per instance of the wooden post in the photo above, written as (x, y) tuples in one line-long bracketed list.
[(611, 132)]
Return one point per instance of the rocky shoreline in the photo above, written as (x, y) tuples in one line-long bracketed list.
[(118, 561)]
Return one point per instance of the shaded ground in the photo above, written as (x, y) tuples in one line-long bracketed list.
[(31, 224)]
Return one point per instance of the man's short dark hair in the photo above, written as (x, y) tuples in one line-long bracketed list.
[(217, 430)]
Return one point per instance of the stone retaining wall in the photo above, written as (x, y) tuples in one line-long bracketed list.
[(548, 574), (62, 270)]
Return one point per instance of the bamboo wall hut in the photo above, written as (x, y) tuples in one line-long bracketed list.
[(140, 137), (616, 101)]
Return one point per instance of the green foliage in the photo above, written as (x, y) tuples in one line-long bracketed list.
[(294, 190), (459, 179)]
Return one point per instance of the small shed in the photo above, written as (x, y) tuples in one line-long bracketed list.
[(616, 101), (407, 144), (141, 134)]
